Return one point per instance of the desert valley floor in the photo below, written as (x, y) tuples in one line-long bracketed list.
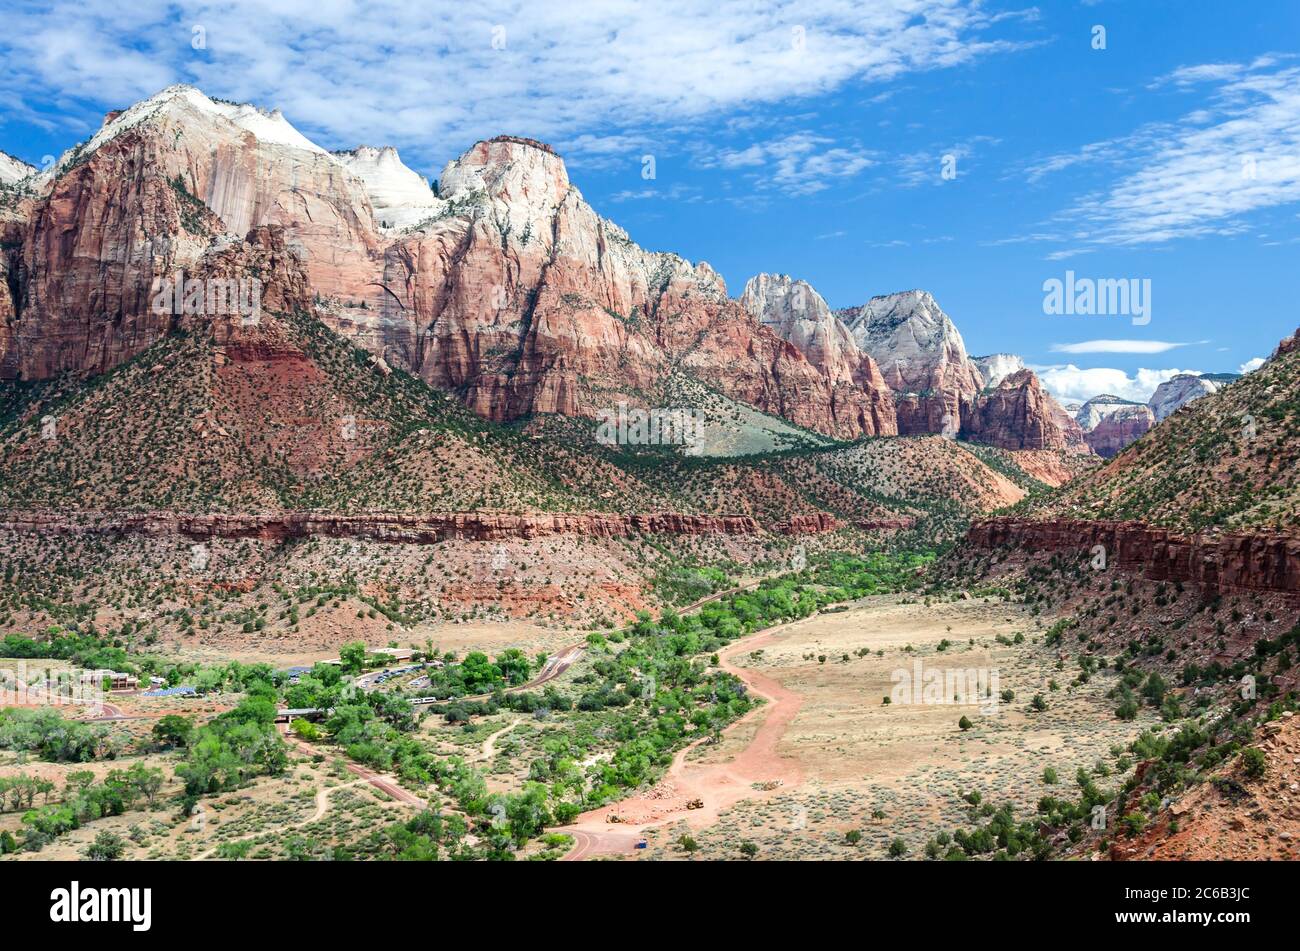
[(821, 757)]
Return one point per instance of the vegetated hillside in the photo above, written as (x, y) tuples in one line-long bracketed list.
[(289, 416), (1219, 669), (262, 422), (1245, 810), (1226, 462)]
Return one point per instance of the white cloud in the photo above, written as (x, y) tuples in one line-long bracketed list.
[(800, 163), (426, 75), (1251, 365), (929, 167), (1120, 346), (672, 193), (1202, 175), (1070, 383)]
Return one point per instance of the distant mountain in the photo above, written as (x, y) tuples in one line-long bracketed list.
[(1119, 427), (1173, 394), (1098, 408), (921, 355), (914, 347), (13, 170), (1111, 422)]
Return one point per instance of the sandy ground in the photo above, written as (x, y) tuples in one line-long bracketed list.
[(845, 761), (487, 636)]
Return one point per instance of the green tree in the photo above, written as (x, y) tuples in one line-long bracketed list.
[(352, 657), (107, 847), (172, 730)]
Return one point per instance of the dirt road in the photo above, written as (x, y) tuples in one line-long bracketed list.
[(379, 781), (322, 807), (756, 772)]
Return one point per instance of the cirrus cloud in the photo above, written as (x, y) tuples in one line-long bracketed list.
[(1121, 346)]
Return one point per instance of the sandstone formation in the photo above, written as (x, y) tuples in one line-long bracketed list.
[(505, 287), (1118, 428), (1098, 408), (13, 170), (1222, 563), (1287, 345), (413, 529), (922, 357), (1175, 393), (1019, 414), (996, 367), (807, 524), (796, 313), (936, 387)]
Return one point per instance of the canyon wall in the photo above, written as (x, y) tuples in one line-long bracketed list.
[(1222, 563), (405, 529)]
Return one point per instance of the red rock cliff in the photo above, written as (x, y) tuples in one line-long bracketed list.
[(1221, 563)]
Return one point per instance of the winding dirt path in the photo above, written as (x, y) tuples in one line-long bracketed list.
[(719, 785), (490, 744), (378, 780), (322, 807)]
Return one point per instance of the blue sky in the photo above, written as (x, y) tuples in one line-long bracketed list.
[(808, 138)]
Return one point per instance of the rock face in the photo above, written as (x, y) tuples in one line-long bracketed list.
[(1178, 392), (1224, 564), (996, 367), (1118, 428), (922, 357), (1111, 422), (526, 301), (13, 170), (1287, 345), (1019, 414), (400, 197), (1098, 408), (7, 315), (796, 313), (402, 528), (509, 291), (937, 388), (146, 197)]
